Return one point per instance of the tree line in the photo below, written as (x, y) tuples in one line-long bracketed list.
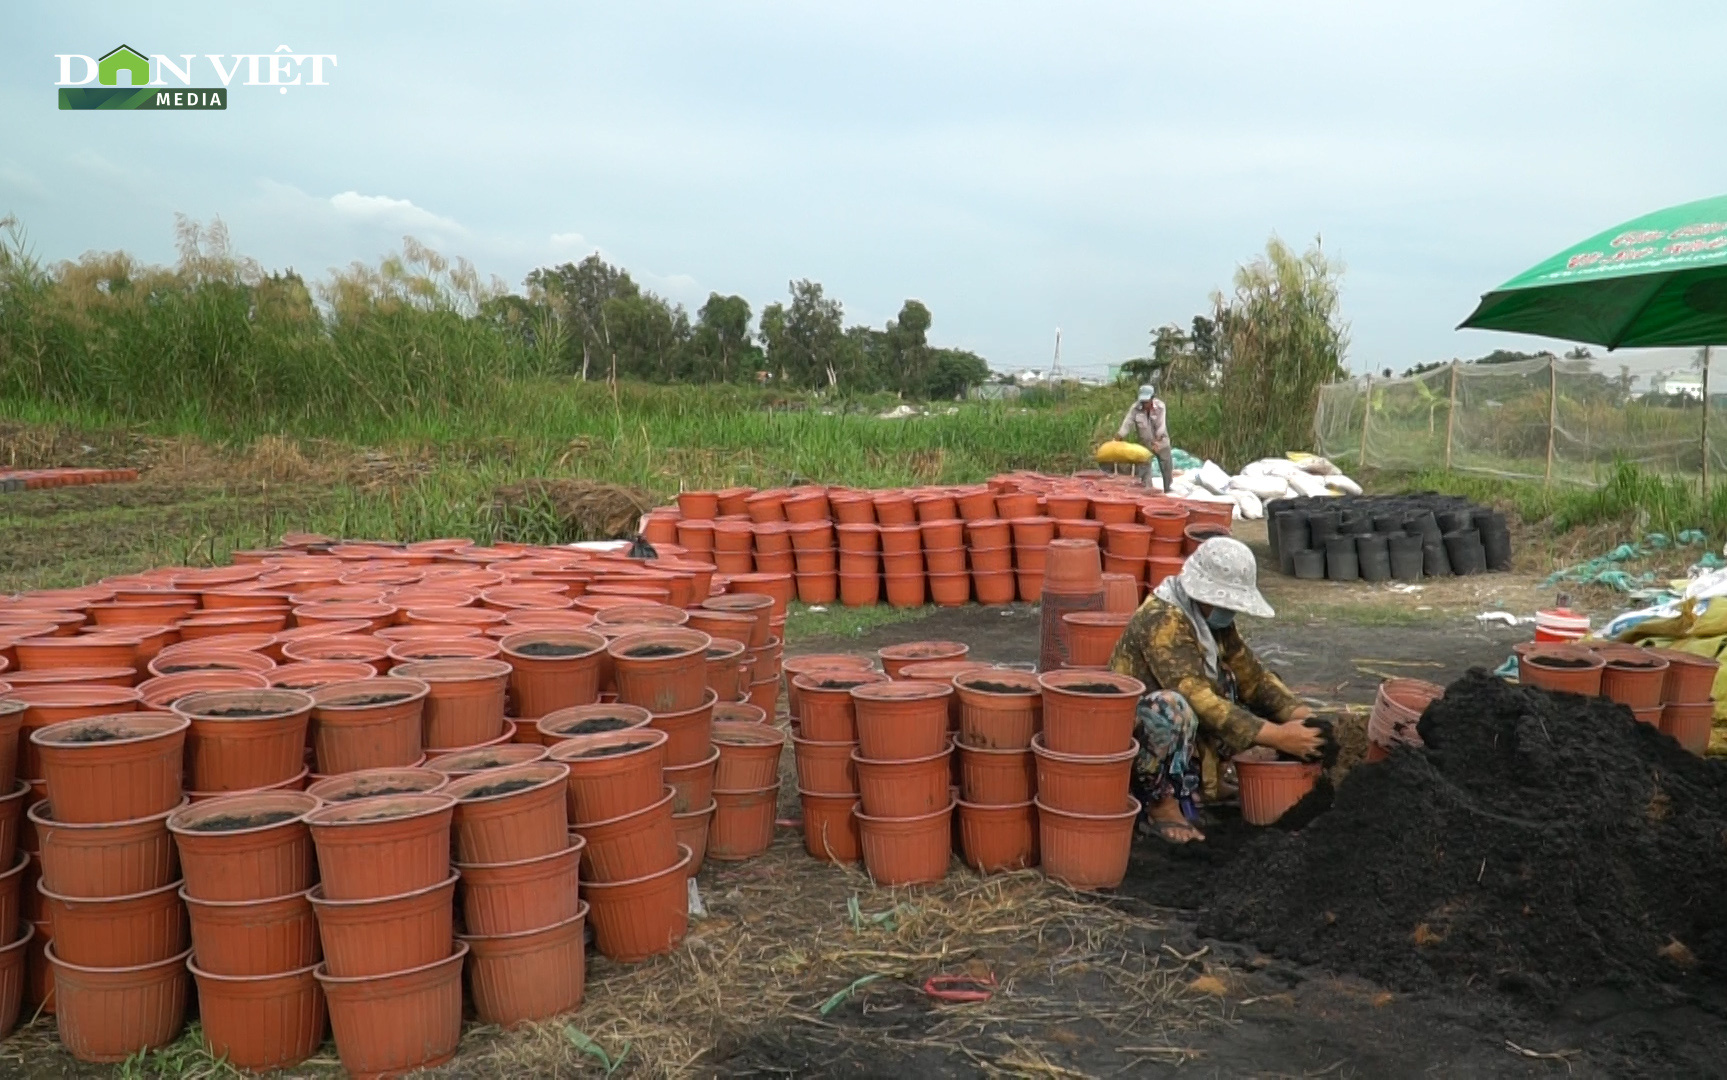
[(591, 320)]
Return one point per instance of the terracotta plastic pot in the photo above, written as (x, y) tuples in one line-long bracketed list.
[(699, 505), (1268, 788), (897, 721), (996, 777), (830, 826), (374, 783), (197, 656), (245, 847), (368, 724), (613, 773), (1089, 712), (113, 768), (465, 703), (1690, 678), (517, 897), (246, 938), (348, 647), (1072, 566), (743, 823), (535, 975), (387, 933), (12, 820), (908, 788), (691, 828), (38, 971), (634, 920), (663, 671), (1648, 714), (907, 851), (794, 666), (688, 738), (107, 1015), (306, 676), (510, 814), (999, 709), (894, 658), (500, 753), (554, 728), (825, 768), (244, 739), (386, 1025), (1165, 522), (161, 691), (728, 626), (1562, 668), (1086, 851), (12, 885), (1634, 677), (749, 755), (630, 846), (994, 839), (827, 712), (117, 931), (1092, 636), (384, 846), (105, 858), (13, 961), (725, 669), (1690, 723), (553, 669), (1083, 783), (48, 653), (260, 1022), (740, 710)]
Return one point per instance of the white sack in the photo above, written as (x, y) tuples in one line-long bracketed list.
[(1343, 485), (1212, 478), (1262, 487)]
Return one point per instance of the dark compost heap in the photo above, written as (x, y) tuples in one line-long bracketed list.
[(1540, 844)]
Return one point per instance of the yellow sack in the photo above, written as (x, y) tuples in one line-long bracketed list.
[(1116, 452)]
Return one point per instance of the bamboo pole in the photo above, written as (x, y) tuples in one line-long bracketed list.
[(1366, 419), (1705, 433), (1451, 416), (1552, 411)]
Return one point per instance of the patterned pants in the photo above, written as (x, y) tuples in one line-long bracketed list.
[(1169, 758)]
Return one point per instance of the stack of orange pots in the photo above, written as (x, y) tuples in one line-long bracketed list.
[(110, 881), (764, 646), (633, 869), (734, 539), (1031, 537), (1687, 708), (248, 869), (392, 970), (773, 548), (374, 723), (817, 560), (902, 559), (944, 556), (519, 867), (905, 812), (245, 740), (992, 560), (1092, 636), (464, 705), (1085, 754), (746, 788), (554, 668), (1073, 581), (824, 745), (1000, 713)]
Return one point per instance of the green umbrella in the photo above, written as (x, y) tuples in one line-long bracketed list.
[(1660, 279)]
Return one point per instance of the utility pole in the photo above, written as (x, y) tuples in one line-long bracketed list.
[(1055, 365)]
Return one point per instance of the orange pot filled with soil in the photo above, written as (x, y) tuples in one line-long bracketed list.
[(1089, 712), (105, 858), (383, 846), (688, 732), (506, 815), (535, 975), (387, 933), (261, 1022), (113, 768), (756, 606), (1268, 788), (632, 845), (107, 1015), (1086, 851), (901, 789), (725, 669), (240, 740), (1690, 724), (634, 920), (1633, 677), (897, 721), (53, 703), (1561, 668), (663, 671), (368, 724), (1083, 783), (894, 658), (511, 898), (749, 755), (1690, 678), (997, 839), (613, 773), (375, 783), (390, 1024), (162, 691), (907, 851), (826, 711), (246, 847), (554, 728), (998, 709), (831, 826), (553, 669), (743, 823), (465, 701), (246, 938), (306, 676)]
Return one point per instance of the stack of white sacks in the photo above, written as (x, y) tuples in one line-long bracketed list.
[(1262, 481)]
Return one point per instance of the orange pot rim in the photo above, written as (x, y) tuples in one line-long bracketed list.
[(587, 826), (416, 690), (1042, 751), (315, 894), (546, 773), (450, 670), (521, 935), (394, 771), (417, 804), (857, 756), (278, 976), (603, 888), (91, 901), (948, 809), (35, 815), (567, 751), (1059, 681), (164, 724), (254, 800), (617, 710), (456, 956), (290, 702), (573, 849), (131, 969), (709, 809), (262, 902), (1131, 812)]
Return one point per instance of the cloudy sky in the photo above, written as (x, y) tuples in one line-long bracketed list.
[(1098, 167)]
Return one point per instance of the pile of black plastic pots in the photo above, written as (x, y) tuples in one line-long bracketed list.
[(1386, 537)]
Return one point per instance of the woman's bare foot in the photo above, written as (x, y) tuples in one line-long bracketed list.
[(1170, 825)]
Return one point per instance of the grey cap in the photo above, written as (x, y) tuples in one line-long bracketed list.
[(1147, 392), (1223, 573)]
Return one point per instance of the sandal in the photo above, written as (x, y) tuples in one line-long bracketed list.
[(1171, 832)]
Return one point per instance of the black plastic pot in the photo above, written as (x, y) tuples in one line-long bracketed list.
[(1374, 556), (1406, 557), (1309, 564), (1340, 561), (1463, 549), (1292, 536), (1434, 562)]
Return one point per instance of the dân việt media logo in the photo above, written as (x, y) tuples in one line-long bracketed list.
[(126, 78)]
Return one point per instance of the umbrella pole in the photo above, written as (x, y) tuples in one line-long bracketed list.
[(1552, 413), (1703, 438)]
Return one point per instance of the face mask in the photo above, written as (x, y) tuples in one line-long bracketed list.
[(1220, 619)]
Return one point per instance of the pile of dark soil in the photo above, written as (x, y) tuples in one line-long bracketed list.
[(1540, 844)]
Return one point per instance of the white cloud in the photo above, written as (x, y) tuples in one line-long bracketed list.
[(384, 211)]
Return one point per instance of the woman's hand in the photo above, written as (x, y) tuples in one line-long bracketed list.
[(1293, 738)]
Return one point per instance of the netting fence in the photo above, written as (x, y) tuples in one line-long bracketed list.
[(1547, 418)]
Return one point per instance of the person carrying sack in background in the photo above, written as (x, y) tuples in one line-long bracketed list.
[(1146, 418)]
